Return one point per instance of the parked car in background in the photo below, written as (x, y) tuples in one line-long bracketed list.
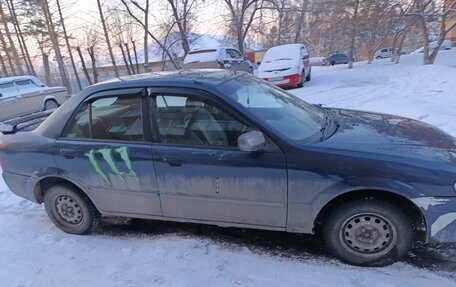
[(384, 53), (446, 45), (318, 61), (23, 95), (218, 58), (228, 149), (286, 65), (337, 58)]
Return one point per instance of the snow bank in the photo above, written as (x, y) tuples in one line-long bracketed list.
[(409, 89)]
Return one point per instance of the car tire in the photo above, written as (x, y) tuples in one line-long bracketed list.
[(50, 105), (303, 80), (378, 57), (71, 210), (333, 63), (368, 232), (309, 76), (251, 70)]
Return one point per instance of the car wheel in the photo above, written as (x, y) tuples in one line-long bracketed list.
[(333, 63), (71, 210), (368, 233), (50, 105), (303, 80), (378, 57), (309, 76), (251, 70)]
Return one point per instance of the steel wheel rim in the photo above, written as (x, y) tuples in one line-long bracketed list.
[(368, 234), (51, 105), (68, 209)]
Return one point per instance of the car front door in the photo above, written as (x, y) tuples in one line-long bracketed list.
[(106, 149), (201, 173)]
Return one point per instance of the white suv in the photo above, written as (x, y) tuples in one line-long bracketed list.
[(217, 58), (384, 53)]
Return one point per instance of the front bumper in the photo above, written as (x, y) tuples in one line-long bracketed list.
[(285, 81), (23, 186), (440, 217)]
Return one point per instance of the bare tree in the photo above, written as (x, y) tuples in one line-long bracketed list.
[(67, 42), (302, 13), (146, 36), (11, 43), (375, 24), (107, 39), (183, 14), (8, 56), (55, 44), (428, 13), (354, 31), (20, 37), (84, 67), (146, 29), (242, 14)]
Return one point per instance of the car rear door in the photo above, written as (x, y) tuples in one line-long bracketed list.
[(106, 149), (201, 173)]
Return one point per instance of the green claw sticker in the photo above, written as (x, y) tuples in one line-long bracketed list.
[(108, 157)]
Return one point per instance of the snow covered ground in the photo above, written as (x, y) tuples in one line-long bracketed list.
[(146, 253), (409, 89)]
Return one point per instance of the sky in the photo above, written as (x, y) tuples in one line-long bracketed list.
[(80, 13)]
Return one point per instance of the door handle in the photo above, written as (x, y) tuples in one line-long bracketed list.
[(173, 160), (68, 153)]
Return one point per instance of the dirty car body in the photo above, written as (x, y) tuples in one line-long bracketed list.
[(169, 146)]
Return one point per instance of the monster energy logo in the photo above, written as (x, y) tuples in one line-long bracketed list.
[(108, 156)]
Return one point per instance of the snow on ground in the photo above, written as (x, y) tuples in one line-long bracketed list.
[(34, 253), (409, 89)]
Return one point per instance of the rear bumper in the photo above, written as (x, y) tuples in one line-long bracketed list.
[(21, 185), (440, 216)]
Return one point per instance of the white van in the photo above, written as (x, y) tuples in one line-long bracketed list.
[(286, 65), (24, 95), (218, 58)]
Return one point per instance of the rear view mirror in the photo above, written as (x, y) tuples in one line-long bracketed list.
[(251, 141)]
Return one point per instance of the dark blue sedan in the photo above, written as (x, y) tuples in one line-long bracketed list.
[(226, 148)]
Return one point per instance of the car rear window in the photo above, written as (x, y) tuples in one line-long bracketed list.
[(111, 118)]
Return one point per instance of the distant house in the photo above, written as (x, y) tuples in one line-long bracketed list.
[(450, 21)]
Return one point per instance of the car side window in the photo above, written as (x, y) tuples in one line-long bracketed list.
[(234, 54), (110, 118), (25, 84), (7, 87), (193, 121)]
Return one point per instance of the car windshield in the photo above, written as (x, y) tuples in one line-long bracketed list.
[(286, 114)]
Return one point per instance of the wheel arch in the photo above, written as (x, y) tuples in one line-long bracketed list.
[(45, 183), (412, 211)]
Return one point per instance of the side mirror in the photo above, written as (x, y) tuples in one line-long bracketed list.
[(227, 66), (245, 58), (251, 141)]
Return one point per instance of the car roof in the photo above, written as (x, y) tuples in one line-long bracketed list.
[(212, 77), (16, 78)]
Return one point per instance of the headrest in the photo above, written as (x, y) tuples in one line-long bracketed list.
[(193, 103)]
